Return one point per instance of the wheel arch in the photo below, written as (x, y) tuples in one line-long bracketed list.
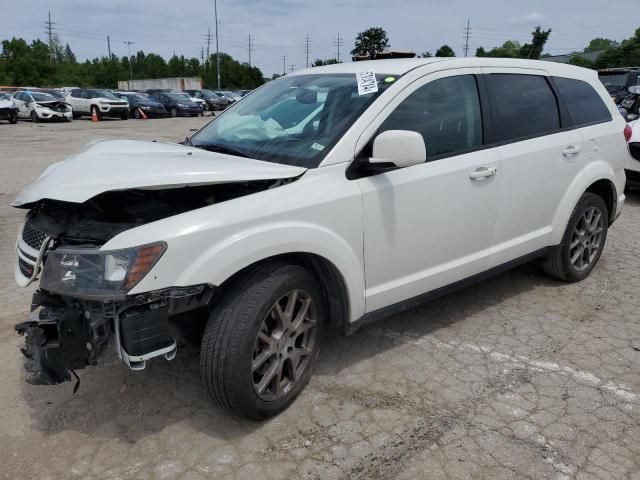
[(330, 279), (598, 178)]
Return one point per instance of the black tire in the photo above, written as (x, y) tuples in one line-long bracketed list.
[(124, 116), (206, 107), (75, 115), (136, 113), (97, 111), (173, 112), (230, 340), (34, 117), (13, 118), (559, 262)]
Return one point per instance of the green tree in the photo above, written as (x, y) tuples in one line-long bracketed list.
[(370, 42), (329, 61), (534, 49), (426, 55), (69, 56), (598, 44), (445, 51)]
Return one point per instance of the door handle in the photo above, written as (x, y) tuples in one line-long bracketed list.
[(571, 150), (483, 172)]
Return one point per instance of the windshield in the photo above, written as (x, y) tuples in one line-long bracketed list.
[(209, 94), (294, 120), (42, 97), (613, 80), (177, 97), (102, 94)]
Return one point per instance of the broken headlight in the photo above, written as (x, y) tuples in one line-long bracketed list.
[(91, 273)]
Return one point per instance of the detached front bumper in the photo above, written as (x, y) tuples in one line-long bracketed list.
[(64, 334)]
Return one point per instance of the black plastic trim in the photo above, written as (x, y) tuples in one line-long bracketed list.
[(439, 292)]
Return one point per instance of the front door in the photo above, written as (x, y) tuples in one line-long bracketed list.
[(431, 225)]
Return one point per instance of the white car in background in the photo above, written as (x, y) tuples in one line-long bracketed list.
[(409, 178), (39, 106), (199, 101), (632, 169)]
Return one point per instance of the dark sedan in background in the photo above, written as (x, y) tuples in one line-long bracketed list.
[(214, 101), (139, 103), (177, 105)]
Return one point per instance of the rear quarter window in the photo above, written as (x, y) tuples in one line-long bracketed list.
[(583, 102), (523, 106)]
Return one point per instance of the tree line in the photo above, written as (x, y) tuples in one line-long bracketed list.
[(36, 64)]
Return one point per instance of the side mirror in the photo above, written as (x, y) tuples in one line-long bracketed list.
[(403, 148)]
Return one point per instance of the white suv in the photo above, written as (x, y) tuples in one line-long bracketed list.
[(633, 165), (413, 177), (102, 103)]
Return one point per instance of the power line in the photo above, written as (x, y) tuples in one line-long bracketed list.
[(208, 38), (467, 33), (306, 47), (49, 30), (129, 43), (338, 43)]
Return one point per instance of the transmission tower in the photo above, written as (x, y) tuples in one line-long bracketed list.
[(306, 47), (49, 31), (338, 43)]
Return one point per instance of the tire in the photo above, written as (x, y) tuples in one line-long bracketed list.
[(75, 115), (234, 339), (584, 231), (13, 118), (173, 112), (136, 113), (97, 110), (124, 116), (34, 117)]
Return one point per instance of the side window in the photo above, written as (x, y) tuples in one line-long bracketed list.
[(584, 104), (75, 93), (522, 106), (19, 96), (446, 112)]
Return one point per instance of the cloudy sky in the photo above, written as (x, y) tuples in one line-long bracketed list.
[(278, 27)]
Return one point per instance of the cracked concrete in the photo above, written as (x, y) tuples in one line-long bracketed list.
[(516, 377)]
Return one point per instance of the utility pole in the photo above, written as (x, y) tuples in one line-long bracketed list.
[(49, 30), (338, 43), (109, 46), (208, 37), (306, 46), (202, 53), (467, 33), (291, 67), (250, 48), (129, 43), (284, 65), (215, 13)]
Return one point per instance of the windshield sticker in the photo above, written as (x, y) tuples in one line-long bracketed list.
[(390, 79), (317, 146), (367, 82)]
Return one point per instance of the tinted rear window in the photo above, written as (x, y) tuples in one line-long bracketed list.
[(523, 106), (584, 104)]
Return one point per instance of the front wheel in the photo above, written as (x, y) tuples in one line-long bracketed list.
[(13, 118), (262, 340), (582, 243), (173, 112), (34, 117)]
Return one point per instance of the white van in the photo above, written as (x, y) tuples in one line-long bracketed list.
[(408, 178)]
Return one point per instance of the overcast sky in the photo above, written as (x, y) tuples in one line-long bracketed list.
[(278, 27)]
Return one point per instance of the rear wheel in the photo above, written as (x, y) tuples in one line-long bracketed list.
[(173, 112), (262, 340), (136, 113), (583, 241), (13, 117)]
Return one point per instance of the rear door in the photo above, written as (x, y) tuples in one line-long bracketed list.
[(540, 157)]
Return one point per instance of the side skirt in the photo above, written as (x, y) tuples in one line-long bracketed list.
[(399, 307)]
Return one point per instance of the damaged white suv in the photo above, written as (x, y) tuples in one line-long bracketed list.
[(326, 199)]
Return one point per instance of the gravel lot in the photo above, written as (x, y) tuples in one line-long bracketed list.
[(517, 377)]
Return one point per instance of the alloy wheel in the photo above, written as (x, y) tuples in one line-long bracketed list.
[(284, 344), (586, 240)]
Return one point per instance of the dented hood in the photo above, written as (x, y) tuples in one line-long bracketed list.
[(109, 165)]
